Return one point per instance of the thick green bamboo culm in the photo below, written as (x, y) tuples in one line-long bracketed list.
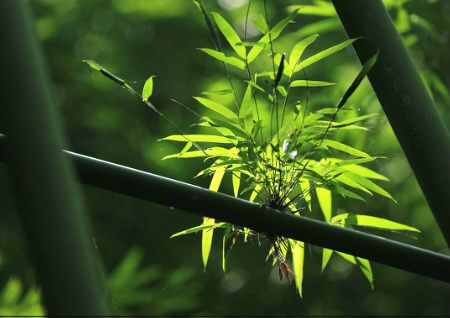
[(47, 198), (405, 100), (193, 199)]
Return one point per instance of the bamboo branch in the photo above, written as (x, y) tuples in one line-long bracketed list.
[(197, 200)]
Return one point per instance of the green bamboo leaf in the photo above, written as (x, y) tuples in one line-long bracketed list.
[(363, 264), (351, 219), (298, 50), (363, 171), (359, 78), (320, 8), (147, 91), (326, 255), (352, 120), (271, 35), (246, 109), (325, 202), (199, 138), (236, 180), (210, 152), (197, 229), (260, 23), (345, 148), (207, 236), (229, 239), (298, 259), (323, 54), (307, 83), (230, 34), (347, 180), (218, 92), (231, 60), (371, 186), (216, 107), (212, 30)]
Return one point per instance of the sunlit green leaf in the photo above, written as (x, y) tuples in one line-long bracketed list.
[(299, 48), (260, 22), (216, 107), (147, 91), (246, 109), (199, 138), (231, 60), (236, 180), (298, 259), (326, 255), (207, 235), (325, 202), (229, 33), (307, 83), (345, 148), (198, 228), (271, 35), (323, 54), (350, 219)]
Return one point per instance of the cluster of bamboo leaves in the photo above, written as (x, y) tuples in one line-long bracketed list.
[(274, 149)]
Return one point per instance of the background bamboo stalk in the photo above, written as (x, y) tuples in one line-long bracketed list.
[(405, 100), (197, 200), (47, 198)]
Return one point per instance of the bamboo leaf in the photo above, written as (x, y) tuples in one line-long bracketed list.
[(207, 236), (326, 255), (197, 229), (307, 83), (357, 81), (325, 202), (299, 48), (298, 259), (216, 107), (231, 60), (363, 171), (236, 180), (372, 186), (199, 138), (271, 35), (260, 23), (246, 109), (323, 54), (351, 219), (147, 91), (230, 34), (345, 148)]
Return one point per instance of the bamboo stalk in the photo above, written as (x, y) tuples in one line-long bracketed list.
[(405, 100), (200, 201), (47, 198)]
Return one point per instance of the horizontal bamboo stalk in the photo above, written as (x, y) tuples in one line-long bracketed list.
[(197, 200)]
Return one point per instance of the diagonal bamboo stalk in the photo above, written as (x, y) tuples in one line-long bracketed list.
[(48, 200), (197, 200), (405, 100)]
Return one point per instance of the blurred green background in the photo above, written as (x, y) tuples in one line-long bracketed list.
[(147, 272)]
